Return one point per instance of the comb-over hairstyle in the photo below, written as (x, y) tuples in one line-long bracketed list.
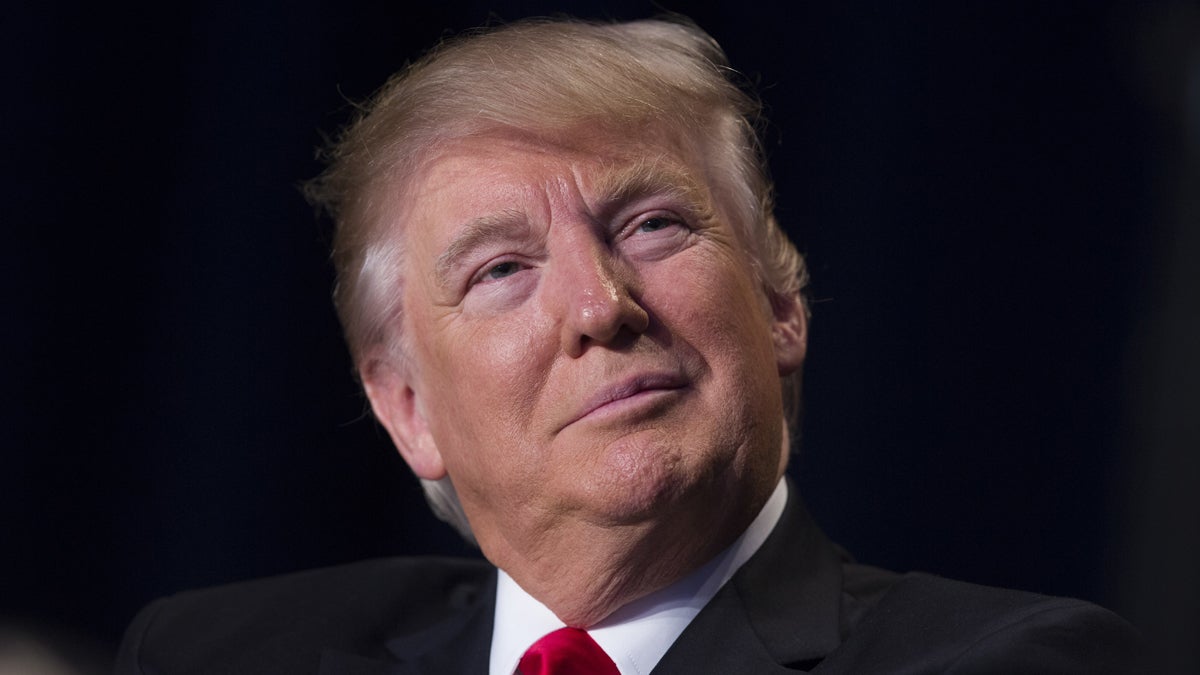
[(542, 77)]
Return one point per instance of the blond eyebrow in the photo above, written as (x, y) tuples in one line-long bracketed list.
[(476, 233), (652, 177)]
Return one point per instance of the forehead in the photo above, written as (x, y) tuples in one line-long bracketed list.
[(475, 170), (513, 176), (508, 176)]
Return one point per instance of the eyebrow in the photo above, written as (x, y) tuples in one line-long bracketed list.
[(652, 177), (507, 225)]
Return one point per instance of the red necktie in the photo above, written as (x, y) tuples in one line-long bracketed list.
[(567, 651)]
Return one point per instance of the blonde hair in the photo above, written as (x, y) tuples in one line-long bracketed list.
[(540, 76)]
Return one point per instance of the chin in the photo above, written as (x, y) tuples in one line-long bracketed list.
[(640, 480)]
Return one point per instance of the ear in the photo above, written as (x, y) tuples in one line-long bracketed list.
[(399, 409), (790, 332)]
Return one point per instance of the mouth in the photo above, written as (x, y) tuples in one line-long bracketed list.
[(632, 396)]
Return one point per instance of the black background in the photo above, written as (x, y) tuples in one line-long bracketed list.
[(993, 198)]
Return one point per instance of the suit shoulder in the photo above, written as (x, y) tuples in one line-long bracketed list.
[(956, 627), (294, 616), (365, 587)]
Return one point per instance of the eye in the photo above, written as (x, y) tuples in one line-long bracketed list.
[(654, 235), (501, 270), (656, 224)]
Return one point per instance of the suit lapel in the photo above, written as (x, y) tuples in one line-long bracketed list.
[(780, 612), (459, 644)]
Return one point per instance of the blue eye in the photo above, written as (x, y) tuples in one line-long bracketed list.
[(504, 269), (655, 224)]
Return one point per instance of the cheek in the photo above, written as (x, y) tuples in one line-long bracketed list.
[(485, 377), (455, 350), (720, 310)]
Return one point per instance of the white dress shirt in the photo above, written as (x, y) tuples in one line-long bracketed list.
[(637, 635)]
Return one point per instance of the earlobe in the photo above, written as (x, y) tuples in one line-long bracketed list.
[(398, 408), (790, 332)]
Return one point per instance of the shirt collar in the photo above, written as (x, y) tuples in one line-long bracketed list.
[(637, 635)]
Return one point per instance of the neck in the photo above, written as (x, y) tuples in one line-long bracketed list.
[(584, 572)]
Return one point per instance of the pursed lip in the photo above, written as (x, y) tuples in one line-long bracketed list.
[(612, 397)]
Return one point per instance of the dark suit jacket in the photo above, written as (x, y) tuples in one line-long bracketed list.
[(799, 604)]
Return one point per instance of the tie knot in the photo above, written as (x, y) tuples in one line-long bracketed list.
[(567, 651)]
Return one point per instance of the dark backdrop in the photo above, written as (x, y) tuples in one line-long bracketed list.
[(994, 199)]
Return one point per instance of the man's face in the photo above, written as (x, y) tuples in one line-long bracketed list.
[(588, 344)]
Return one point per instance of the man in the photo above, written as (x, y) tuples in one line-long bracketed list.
[(571, 308)]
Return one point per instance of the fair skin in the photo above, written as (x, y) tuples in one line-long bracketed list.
[(591, 360)]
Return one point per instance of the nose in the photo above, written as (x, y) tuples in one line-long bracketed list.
[(596, 300)]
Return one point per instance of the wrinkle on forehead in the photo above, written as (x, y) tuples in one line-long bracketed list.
[(632, 152)]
